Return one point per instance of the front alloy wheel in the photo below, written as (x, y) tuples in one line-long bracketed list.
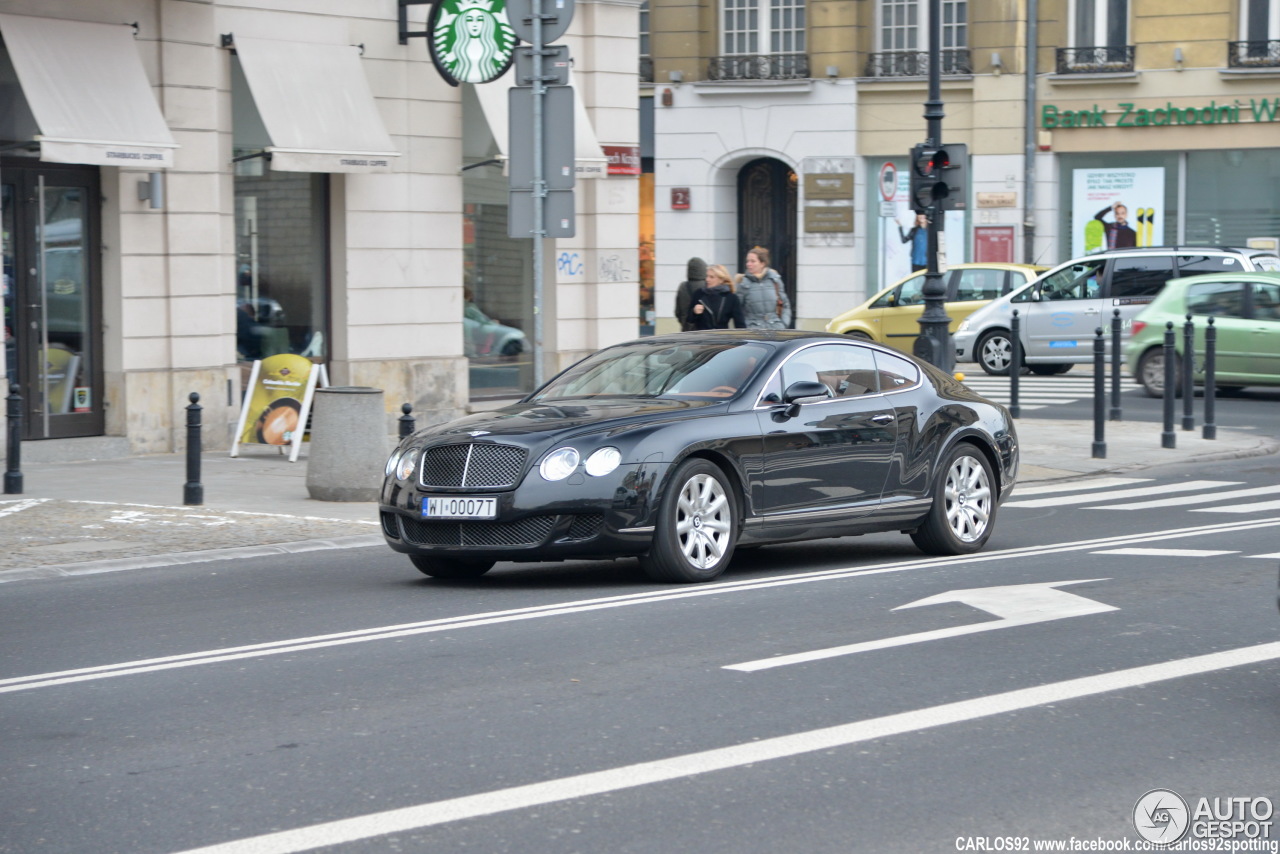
[(1151, 373), (964, 506), (995, 352), (696, 530)]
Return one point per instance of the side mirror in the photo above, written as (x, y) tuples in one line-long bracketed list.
[(804, 389)]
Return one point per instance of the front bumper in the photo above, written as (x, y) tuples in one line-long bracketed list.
[(964, 342), (579, 517)]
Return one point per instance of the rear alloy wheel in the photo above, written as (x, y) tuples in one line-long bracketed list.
[(445, 567), (995, 352), (697, 529), (1151, 373), (963, 514)]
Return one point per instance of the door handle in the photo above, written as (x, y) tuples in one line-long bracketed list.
[(881, 419)]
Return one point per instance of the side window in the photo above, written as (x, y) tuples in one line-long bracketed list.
[(1191, 265), (1266, 301), (1140, 277), (1217, 299), (1077, 281), (848, 370), (896, 372), (1266, 262), (912, 291), (978, 284), (889, 298)]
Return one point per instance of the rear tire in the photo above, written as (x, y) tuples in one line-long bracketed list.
[(995, 352), (1151, 373), (963, 514), (445, 567), (697, 526)]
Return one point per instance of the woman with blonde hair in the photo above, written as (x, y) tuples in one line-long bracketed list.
[(763, 296), (715, 304)]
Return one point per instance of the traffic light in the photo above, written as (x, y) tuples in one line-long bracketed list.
[(938, 176)]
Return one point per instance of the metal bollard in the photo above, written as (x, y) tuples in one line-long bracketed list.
[(1117, 365), (13, 467), (1015, 364), (1188, 374), (1169, 439), (1210, 430), (192, 490), (407, 421), (1099, 395)]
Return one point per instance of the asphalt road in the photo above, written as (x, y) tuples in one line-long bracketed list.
[(348, 703)]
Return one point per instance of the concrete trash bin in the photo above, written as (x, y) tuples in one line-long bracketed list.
[(349, 444)]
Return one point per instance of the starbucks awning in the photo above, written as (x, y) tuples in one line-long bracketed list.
[(315, 111), (78, 90), (589, 160)]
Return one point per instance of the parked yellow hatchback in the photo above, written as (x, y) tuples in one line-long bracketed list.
[(891, 316)]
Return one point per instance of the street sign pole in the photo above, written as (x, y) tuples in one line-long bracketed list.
[(539, 194)]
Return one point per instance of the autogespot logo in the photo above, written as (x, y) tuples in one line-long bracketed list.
[(1161, 816)]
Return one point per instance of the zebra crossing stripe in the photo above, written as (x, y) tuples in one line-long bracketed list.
[(1164, 488), (1167, 552), (1207, 498), (1259, 507), (1078, 485)]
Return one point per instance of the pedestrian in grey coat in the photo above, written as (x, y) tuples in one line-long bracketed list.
[(696, 277), (763, 295)]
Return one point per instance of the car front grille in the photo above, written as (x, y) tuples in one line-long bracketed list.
[(530, 531), (473, 465)]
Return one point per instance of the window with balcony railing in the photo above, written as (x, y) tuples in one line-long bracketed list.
[(1254, 54), (1099, 39), (761, 40), (774, 66), (903, 38), (1094, 60), (1259, 45), (646, 59)]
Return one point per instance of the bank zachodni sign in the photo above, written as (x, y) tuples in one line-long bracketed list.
[(1128, 115)]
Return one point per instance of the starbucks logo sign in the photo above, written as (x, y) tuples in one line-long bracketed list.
[(471, 40)]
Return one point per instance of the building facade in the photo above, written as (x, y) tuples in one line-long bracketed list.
[(788, 123), (192, 185)]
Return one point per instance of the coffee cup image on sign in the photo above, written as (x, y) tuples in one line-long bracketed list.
[(278, 422)]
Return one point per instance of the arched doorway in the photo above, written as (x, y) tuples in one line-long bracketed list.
[(767, 217)]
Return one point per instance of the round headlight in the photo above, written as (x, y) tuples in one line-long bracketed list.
[(603, 461), (404, 468), (559, 464), (391, 463)]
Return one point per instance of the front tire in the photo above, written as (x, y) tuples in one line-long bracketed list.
[(696, 531), (995, 352), (444, 567), (1151, 373), (963, 514)]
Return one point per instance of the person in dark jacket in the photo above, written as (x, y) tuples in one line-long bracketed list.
[(715, 304), (763, 295), (696, 278), (918, 237)]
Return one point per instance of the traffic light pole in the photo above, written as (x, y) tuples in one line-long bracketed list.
[(934, 344)]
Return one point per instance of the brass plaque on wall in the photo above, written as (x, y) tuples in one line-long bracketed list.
[(833, 218), (828, 185)]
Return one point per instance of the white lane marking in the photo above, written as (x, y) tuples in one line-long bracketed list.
[(1259, 507), (1186, 486), (1182, 500), (21, 504), (1271, 556), (734, 756), (282, 647), (1015, 605), (1166, 552), (1078, 485)]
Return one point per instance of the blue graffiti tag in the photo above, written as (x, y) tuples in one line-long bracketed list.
[(569, 264)]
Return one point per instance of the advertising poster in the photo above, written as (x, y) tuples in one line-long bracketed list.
[(895, 255), (277, 402), (1116, 209)]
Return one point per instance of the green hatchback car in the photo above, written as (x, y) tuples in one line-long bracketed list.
[(1245, 308)]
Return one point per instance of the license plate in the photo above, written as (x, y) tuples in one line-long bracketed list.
[(460, 507)]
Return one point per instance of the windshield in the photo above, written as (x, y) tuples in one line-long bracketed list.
[(701, 371)]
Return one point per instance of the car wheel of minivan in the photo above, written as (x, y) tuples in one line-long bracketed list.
[(859, 336), (1151, 373), (995, 352)]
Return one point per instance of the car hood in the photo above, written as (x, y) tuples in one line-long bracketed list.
[(533, 420)]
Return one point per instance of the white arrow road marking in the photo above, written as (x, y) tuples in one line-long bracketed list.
[(1166, 552), (734, 756), (1015, 605)]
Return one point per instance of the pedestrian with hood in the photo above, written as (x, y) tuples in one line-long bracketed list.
[(696, 277), (715, 304), (764, 298)]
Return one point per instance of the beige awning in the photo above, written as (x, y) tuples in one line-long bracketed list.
[(86, 91), (589, 160), (315, 106)]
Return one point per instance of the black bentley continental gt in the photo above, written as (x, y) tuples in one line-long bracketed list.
[(677, 449)]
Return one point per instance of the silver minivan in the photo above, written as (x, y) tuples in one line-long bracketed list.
[(1060, 311)]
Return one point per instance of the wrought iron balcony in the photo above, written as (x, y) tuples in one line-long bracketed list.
[(777, 66), (1095, 60), (915, 63), (1255, 54), (646, 69)]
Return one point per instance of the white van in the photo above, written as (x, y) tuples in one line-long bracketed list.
[(1060, 311)]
